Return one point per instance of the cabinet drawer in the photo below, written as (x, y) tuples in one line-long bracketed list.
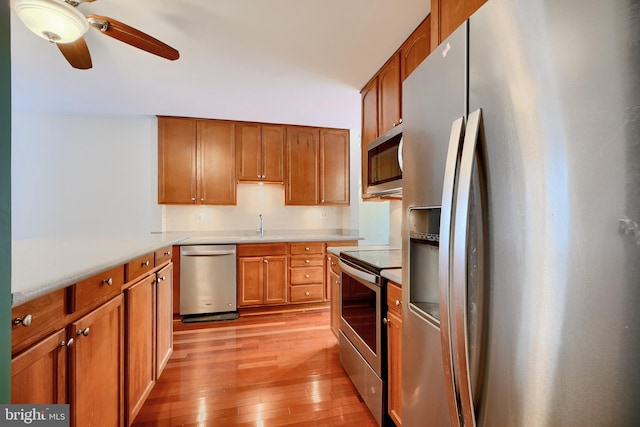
[(100, 287), (35, 319), (301, 276), (394, 297), (307, 248), (306, 293), (163, 255), (261, 249), (139, 266), (307, 261)]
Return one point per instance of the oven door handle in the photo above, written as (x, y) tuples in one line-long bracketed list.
[(362, 275)]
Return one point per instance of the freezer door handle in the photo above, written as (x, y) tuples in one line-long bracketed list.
[(459, 270), (448, 192)]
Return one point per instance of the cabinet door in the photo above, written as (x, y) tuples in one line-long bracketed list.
[(447, 15), (248, 152), (140, 300), (96, 367), (394, 366), (38, 374), (334, 284), (272, 153), (302, 186), (416, 48), (164, 318), (334, 166), (176, 160), (250, 287), (389, 95), (275, 279), (216, 149), (369, 124)]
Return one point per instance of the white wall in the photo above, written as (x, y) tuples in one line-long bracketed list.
[(75, 175), (80, 175)]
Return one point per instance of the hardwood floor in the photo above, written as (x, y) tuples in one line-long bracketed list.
[(277, 369)]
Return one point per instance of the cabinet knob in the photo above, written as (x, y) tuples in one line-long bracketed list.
[(24, 321), (161, 278), (307, 276), (202, 199), (69, 343), (307, 261), (333, 263), (398, 303), (108, 281), (167, 253), (145, 264), (193, 199), (386, 321), (337, 282), (265, 261), (307, 293), (307, 249), (84, 331)]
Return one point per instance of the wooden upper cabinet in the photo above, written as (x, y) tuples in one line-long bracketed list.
[(416, 48), (389, 95), (369, 112), (302, 159), (196, 161), (449, 15), (334, 166), (217, 172), (176, 160), (259, 152)]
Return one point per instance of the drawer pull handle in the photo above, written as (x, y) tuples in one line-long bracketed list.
[(398, 303), (307, 261), (24, 321), (108, 281), (307, 293), (306, 276), (145, 264), (84, 331)]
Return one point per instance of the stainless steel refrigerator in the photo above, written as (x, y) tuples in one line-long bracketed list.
[(521, 201)]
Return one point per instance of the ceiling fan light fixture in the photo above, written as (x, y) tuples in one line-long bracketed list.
[(52, 20)]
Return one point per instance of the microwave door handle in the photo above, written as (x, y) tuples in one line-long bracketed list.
[(459, 282), (444, 262), (400, 154)]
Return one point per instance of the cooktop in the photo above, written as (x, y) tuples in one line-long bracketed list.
[(374, 260)]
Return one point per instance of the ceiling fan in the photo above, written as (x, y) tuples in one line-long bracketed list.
[(60, 22)]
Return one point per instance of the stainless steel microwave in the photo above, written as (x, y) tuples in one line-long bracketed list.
[(384, 163)]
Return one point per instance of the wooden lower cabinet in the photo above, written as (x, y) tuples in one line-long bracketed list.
[(140, 301), (262, 274), (333, 284), (394, 352), (96, 367), (164, 318), (38, 375)]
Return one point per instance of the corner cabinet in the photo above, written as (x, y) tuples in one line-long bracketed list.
[(259, 152), (317, 166), (196, 161)]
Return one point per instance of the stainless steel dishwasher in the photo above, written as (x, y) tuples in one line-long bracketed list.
[(208, 282)]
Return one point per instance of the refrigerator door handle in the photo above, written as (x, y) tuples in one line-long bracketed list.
[(446, 222), (459, 282)]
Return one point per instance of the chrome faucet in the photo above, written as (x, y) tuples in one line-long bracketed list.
[(261, 225)]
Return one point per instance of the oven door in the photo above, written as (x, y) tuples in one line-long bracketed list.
[(361, 299)]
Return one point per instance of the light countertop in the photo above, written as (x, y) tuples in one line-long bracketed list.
[(41, 266), (393, 274)]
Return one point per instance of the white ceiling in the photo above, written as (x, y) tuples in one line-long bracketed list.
[(286, 61)]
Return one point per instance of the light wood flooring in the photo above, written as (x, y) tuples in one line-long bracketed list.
[(277, 369)]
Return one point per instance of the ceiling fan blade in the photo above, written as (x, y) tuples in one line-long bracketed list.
[(77, 53), (133, 37)]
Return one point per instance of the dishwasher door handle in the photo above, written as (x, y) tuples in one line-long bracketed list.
[(211, 252)]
